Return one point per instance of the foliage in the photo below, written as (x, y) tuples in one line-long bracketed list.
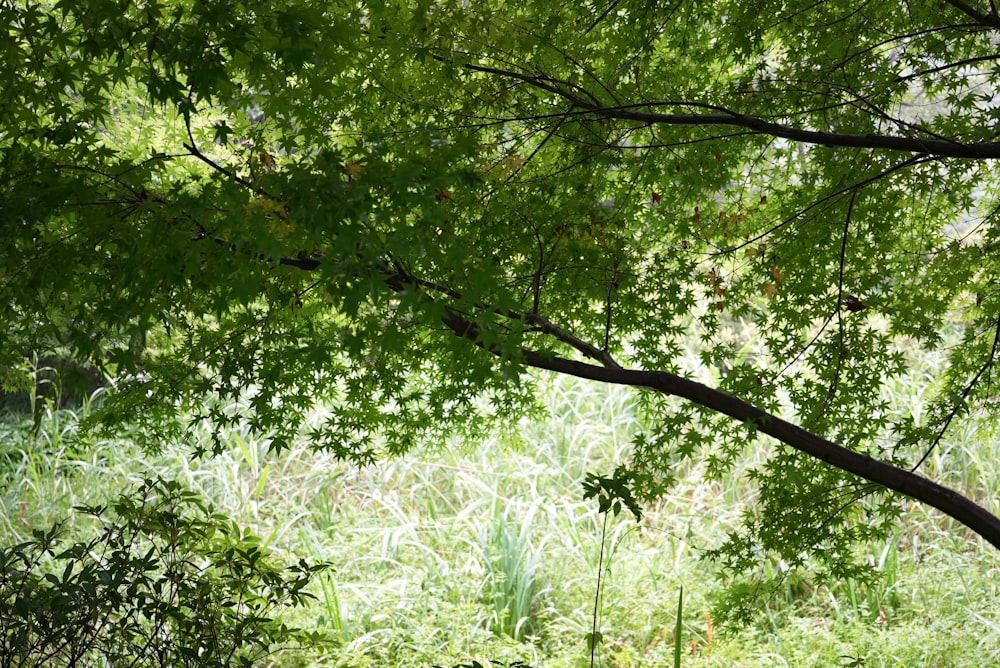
[(404, 537), (612, 492), (477, 664), (165, 582), (394, 209)]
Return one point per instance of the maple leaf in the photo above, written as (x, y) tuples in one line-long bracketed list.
[(351, 169)]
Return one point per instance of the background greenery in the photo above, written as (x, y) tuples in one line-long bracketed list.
[(486, 550)]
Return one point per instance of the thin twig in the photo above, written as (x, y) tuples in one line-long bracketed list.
[(960, 403)]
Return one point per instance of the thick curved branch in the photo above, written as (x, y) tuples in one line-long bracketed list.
[(905, 482), (910, 484), (951, 503), (930, 147)]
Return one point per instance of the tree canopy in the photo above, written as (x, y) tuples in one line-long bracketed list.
[(395, 210)]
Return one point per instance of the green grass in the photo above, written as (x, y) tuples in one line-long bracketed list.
[(488, 551)]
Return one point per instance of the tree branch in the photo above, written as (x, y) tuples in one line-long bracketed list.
[(908, 483), (986, 20), (399, 280), (720, 116), (929, 147), (959, 404)]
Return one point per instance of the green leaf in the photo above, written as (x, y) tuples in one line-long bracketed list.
[(394, 213)]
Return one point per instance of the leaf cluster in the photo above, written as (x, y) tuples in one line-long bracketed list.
[(164, 582), (613, 492)]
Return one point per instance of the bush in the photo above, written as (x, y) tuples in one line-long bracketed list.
[(166, 582)]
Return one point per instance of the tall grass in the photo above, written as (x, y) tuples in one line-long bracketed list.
[(488, 552), (511, 565)]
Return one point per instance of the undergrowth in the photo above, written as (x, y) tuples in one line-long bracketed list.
[(488, 554)]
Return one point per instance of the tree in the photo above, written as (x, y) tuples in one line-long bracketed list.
[(398, 209)]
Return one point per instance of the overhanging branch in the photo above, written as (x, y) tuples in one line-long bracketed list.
[(953, 504), (910, 484), (713, 115), (987, 20), (918, 146)]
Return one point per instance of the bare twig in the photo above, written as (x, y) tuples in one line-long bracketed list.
[(960, 402)]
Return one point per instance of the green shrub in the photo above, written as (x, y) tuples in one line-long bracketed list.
[(165, 582)]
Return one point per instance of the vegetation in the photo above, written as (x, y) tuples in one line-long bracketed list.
[(409, 583), (164, 583), (366, 227)]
